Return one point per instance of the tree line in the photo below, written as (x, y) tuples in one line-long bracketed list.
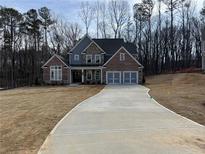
[(166, 34), (28, 40)]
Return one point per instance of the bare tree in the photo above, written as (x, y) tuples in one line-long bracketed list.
[(86, 14), (129, 30), (139, 22), (172, 5), (74, 32), (103, 22), (97, 9), (202, 12), (118, 13), (64, 35), (159, 45)]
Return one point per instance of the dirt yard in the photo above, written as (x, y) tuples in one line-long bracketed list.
[(27, 115), (183, 93)]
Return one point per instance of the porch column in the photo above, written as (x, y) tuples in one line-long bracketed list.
[(101, 76), (82, 75)]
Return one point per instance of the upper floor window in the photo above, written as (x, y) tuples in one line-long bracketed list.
[(76, 57), (88, 59), (97, 59), (122, 56), (56, 73)]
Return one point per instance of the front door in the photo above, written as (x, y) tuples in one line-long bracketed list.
[(77, 76)]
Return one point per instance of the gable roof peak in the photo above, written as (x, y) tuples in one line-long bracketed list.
[(58, 57), (93, 42), (123, 48), (86, 36)]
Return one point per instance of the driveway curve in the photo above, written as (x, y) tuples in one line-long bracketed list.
[(124, 120)]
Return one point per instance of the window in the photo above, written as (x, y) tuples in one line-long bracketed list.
[(122, 56), (97, 59), (89, 75), (56, 73), (88, 59), (76, 57), (97, 75)]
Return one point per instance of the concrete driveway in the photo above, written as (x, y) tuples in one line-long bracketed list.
[(124, 120)]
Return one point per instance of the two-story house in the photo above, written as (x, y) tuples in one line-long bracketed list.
[(96, 61)]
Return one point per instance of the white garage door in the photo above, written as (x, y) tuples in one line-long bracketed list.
[(113, 77), (130, 77)]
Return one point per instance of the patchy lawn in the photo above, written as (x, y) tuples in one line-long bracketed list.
[(183, 93), (27, 115)]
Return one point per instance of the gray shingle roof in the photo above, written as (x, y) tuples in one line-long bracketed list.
[(81, 44), (110, 46)]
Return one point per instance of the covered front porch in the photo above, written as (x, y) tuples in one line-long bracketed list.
[(86, 75)]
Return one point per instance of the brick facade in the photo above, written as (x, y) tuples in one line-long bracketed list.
[(109, 50), (129, 64), (65, 71)]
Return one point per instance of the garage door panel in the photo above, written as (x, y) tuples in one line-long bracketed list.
[(130, 77), (117, 78), (126, 77), (133, 77), (110, 78), (113, 77)]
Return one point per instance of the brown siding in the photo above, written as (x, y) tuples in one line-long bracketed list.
[(65, 71), (93, 49), (128, 65)]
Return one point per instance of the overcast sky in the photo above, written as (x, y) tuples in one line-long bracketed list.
[(68, 9)]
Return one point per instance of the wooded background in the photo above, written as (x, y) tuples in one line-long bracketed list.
[(166, 41)]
